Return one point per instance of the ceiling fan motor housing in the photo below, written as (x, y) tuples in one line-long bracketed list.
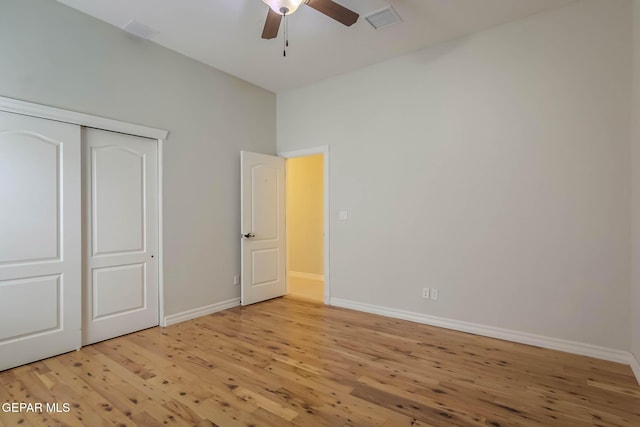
[(280, 8), (284, 7)]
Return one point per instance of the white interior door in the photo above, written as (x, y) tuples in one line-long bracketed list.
[(121, 234), (40, 258), (263, 227)]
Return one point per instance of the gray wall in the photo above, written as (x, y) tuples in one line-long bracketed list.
[(53, 55), (494, 168), (635, 149)]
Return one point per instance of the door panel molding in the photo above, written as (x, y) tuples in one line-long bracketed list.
[(31, 319), (137, 297), (135, 233), (25, 242)]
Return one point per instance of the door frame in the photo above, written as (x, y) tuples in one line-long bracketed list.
[(25, 108), (324, 149)]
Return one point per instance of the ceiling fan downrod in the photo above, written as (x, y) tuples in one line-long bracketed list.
[(285, 12)]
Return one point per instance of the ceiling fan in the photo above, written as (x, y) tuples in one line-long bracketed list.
[(280, 8)]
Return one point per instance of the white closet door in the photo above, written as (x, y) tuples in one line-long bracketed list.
[(40, 258), (121, 234)]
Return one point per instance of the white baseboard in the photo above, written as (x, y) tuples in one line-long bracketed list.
[(308, 276), (635, 367), (574, 347), (200, 311)]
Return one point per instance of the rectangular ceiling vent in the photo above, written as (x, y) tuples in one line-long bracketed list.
[(383, 18), (140, 30)]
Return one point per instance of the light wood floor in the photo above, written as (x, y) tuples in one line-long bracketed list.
[(310, 290), (288, 362)]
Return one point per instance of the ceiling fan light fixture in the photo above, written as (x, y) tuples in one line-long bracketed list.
[(284, 7)]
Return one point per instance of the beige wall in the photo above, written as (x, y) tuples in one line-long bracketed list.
[(494, 168), (53, 55), (635, 149), (305, 214)]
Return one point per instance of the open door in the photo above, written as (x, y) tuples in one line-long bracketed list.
[(262, 187)]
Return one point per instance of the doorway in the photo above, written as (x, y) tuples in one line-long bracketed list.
[(263, 230), (305, 227)]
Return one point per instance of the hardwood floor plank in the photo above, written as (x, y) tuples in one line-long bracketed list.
[(288, 362)]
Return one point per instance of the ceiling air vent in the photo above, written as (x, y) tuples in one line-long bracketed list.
[(383, 18), (140, 30)]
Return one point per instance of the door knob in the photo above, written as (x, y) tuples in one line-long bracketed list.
[(248, 235)]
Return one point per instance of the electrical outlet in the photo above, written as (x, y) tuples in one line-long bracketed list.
[(236, 279), (434, 294), (425, 293)]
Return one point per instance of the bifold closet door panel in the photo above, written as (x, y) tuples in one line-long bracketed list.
[(40, 239), (120, 234)]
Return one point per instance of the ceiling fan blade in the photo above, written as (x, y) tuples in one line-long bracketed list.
[(335, 11), (271, 25)]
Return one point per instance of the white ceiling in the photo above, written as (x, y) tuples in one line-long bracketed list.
[(226, 33)]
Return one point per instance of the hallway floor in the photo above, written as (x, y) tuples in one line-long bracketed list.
[(306, 289)]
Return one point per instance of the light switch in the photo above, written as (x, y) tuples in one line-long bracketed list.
[(343, 215)]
